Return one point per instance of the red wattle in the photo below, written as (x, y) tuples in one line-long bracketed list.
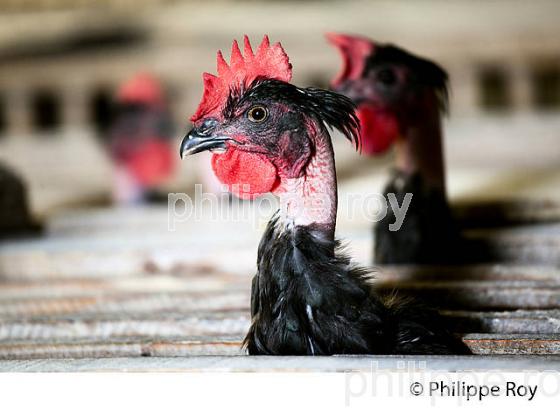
[(246, 174), (378, 130), (152, 162)]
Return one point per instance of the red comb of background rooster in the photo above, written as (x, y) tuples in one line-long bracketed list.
[(354, 51), (143, 88), (268, 62)]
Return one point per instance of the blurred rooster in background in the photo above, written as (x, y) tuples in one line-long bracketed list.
[(15, 213), (268, 135), (400, 99), (140, 140)]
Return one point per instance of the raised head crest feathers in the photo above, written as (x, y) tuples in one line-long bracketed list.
[(269, 61)]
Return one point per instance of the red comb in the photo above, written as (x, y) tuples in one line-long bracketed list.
[(143, 88), (268, 62), (354, 51)]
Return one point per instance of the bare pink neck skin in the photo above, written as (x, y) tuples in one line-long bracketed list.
[(420, 148), (311, 199)]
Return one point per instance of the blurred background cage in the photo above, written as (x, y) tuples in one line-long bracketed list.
[(61, 62)]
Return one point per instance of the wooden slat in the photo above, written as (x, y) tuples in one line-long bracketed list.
[(83, 348), (83, 257), (222, 322), (286, 363), (137, 347), (513, 344), (534, 244), (163, 326), (176, 324), (189, 281), (480, 296), (516, 322), (482, 272), (126, 302), (506, 212), (140, 285), (470, 296)]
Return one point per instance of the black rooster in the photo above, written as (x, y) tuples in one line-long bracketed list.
[(400, 98), (307, 297), (15, 213)]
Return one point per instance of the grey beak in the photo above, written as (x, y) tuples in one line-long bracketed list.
[(195, 142)]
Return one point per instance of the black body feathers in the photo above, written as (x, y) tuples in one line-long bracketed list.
[(15, 217), (428, 234), (308, 299)]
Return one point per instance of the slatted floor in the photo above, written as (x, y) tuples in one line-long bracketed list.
[(114, 285)]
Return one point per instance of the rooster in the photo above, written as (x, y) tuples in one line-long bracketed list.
[(307, 297), (140, 139), (15, 213), (400, 99)]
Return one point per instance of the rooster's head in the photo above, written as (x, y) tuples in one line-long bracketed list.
[(391, 87), (262, 129)]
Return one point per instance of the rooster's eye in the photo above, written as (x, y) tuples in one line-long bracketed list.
[(257, 113), (387, 77)]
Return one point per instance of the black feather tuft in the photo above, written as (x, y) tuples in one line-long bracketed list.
[(336, 110)]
